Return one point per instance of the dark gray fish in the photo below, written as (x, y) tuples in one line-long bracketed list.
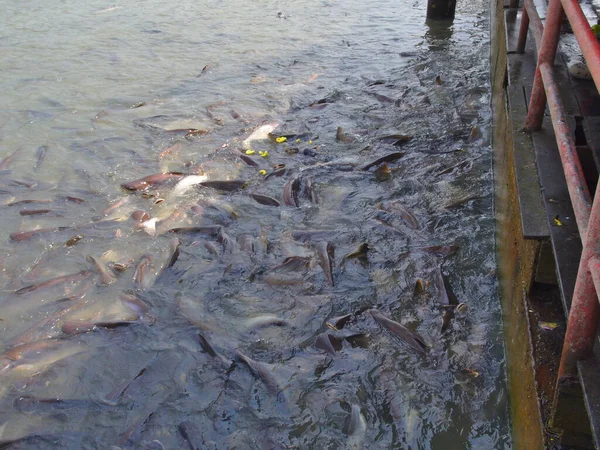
[(310, 191), (397, 208), (337, 323), (210, 230), (246, 242), (384, 98), (192, 435), (209, 246), (395, 139), (208, 348), (329, 343), (43, 440), (260, 371), (6, 162), (265, 200), (143, 271), (174, 248), (105, 275), (277, 173), (113, 397), (75, 327), (360, 252), (412, 339), (309, 235), (391, 157), (290, 192), (34, 212), (27, 202), (152, 180), (25, 235), (441, 288), (356, 422), (150, 390), (40, 155), (225, 185), (447, 317), (27, 404), (446, 298), (248, 160), (25, 183), (359, 340), (441, 250), (325, 252), (292, 264), (152, 445), (228, 243), (71, 278)]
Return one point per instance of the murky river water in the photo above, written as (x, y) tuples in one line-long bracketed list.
[(214, 321)]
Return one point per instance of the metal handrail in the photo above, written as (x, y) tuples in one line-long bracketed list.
[(584, 315)]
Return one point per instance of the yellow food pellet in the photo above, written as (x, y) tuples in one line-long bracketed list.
[(281, 139), (250, 152), (297, 140), (557, 222), (310, 142), (262, 172), (263, 154)]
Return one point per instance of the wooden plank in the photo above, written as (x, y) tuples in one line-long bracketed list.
[(521, 66), (591, 128), (512, 21), (589, 374), (531, 206), (566, 243), (565, 87)]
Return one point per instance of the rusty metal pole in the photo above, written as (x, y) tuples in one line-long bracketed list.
[(581, 330), (565, 140), (534, 22), (441, 9), (585, 309), (523, 30), (547, 53)]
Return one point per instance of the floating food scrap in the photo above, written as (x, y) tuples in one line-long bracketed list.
[(548, 325), (558, 222), (280, 139), (471, 372)]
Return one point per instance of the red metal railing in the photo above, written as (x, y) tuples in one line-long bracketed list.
[(585, 310)]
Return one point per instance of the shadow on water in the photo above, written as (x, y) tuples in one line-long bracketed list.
[(439, 34)]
